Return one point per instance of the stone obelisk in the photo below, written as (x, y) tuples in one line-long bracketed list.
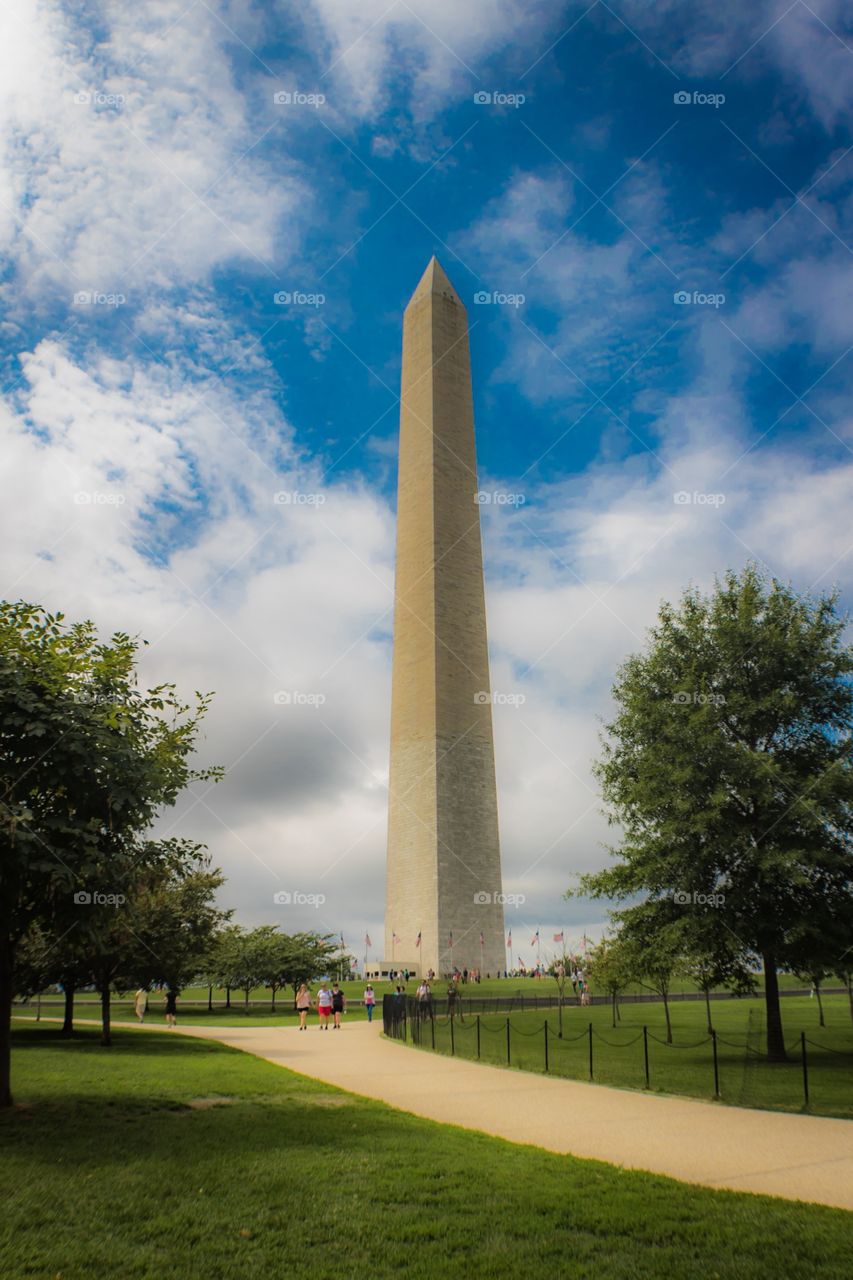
[(443, 870)]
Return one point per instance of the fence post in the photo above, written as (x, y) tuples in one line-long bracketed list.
[(478, 1037), (546, 1046), (716, 1065), (452, 1041), (590, 1051), (805, 1067), (507, 1042), (646, 1053)]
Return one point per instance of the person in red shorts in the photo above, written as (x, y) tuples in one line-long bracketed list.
[(324, 1005)]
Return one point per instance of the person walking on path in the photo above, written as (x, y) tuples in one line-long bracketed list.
[(303, 1004), (171, 1007), (140, 1004), (453, 1001), (424, 998), (324, 1005), (338, 1005), (369, 1001)]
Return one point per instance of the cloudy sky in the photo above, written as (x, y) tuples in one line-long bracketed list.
[(212, 215)]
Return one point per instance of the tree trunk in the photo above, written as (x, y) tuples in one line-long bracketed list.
[(822, 1020), (848, 982), (273, 999), (775, 1037), (246, 1004), (664, 995), (106, 1038), (68, 1020), (210, 999), (613, 1006), (708, 1009), (6, 963), (227, 997)]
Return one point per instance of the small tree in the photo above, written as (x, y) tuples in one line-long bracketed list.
[(609, 965)]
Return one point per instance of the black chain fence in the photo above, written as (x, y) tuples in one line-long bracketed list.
[(432, 1024)]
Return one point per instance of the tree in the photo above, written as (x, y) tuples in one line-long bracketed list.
[(609, 967), (87, 759), (728, 767), (223, 960), (649, 946), (174, 919)]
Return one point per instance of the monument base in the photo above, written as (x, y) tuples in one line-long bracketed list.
[(388, 969)]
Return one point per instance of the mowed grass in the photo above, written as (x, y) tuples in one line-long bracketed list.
[(686, 1067), (120, 1163)]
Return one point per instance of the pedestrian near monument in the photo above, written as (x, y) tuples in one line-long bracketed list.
[(338, 1005), (140, 1003), (369, 1001), (424, 997), (171, 1007), (324, 1005), (303, 1004)]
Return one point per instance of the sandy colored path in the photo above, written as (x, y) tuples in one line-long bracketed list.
[(796, 1157)]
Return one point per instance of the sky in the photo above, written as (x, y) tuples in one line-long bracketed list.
[(212, 216)]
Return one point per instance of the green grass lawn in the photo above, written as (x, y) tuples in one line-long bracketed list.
[(687, 1066), (117, 1163)]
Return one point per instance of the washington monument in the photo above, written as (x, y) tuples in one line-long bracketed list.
[(444, 868)]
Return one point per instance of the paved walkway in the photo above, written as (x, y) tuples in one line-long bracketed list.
[(796, 1157)]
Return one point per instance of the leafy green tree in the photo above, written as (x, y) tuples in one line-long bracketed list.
[(609, 967), (87, 759), (174, 919), (650, 947), (728, 768), (223, 963)]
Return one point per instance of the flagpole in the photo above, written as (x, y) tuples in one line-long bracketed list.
[(482, 943)]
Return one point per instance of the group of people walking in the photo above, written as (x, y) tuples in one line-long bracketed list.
[(330, 1003), (170, 1005)]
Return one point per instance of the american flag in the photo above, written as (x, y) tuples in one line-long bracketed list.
[(418, 939), (451, 937), (482, 939), (394, 937), (534, 939), (509, 938), (558, 937), (367, 941)]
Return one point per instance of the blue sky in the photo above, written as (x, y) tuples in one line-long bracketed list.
[(155, 199)]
